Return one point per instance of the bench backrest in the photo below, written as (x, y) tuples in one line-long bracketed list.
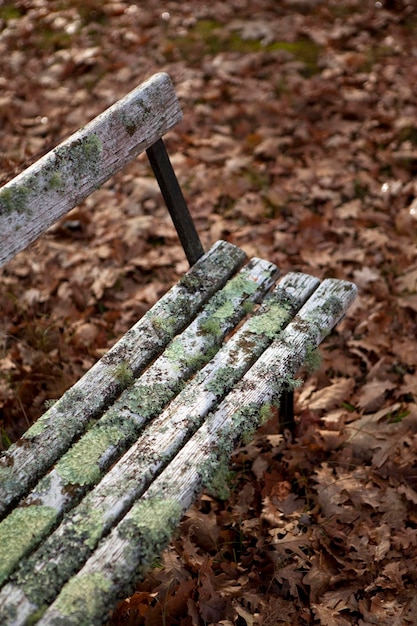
[(47, 190)]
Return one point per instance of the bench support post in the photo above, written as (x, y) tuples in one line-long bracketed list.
[(286, 411), (174, 199)]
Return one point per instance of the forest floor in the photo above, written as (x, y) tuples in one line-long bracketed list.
[(299, 143)]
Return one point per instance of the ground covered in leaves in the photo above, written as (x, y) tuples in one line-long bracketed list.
[(299, 143)]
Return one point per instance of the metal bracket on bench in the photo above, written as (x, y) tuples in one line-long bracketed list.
[(174, 199)]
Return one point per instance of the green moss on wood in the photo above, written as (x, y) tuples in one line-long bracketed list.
[(211, 327), (81, 598), (92, 147), (149, 526), (88, 529), (241, 284), (67, 403), (123, 374), (166, 325), (38, 427), (14, 199), (19, 530), (222, 380), (175, 352), (248, 306), (196, 361), (56, 182), (35, 616), (271, 322), (146, 400), (80, 465), (191, 282), (61, 555), (218, 476), (81, 157)]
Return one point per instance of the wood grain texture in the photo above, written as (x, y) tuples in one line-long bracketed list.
[(140, 536), (29, 458), (43, 193), (41, 576), (104, 442)]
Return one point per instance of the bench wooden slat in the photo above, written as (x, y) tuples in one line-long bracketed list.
[(64, 177), (49, 568), (134, 543), (86, 461), (24, 462)]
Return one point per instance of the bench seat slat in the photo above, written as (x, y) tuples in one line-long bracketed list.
[(64, 177), (27, 460), (55, 561), (133, 544), (81, 467)]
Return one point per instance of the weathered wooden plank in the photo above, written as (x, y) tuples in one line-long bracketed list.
[(133, 544), (82, 466), (46, 571), (24, 462), (43, 193)]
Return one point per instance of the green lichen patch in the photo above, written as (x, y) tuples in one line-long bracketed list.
[(146, 400), (58, 412), (217, 476), (175, 352), (223, 306), (266, 412), (333, 305), (240, 284), (191, 282), (81, 157), (248, 418), (224, 312), (248, 306), (123, 373), (211, 327), (80, 465), (56, 181), (92, 147), (165, 325), (61, 555), (197, 361), (81, 597), (149, 527), (271, 322), (38, 427), (14, 199), (5, 476), (18, 532), (152, 515), (88, 529), (223, 380)]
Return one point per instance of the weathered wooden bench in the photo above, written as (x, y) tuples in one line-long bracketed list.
[(93, 491)]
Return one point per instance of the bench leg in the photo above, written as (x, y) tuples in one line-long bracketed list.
[(174, 199), (286, 411)]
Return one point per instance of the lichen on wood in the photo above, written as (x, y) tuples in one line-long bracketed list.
[(53, 433)]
